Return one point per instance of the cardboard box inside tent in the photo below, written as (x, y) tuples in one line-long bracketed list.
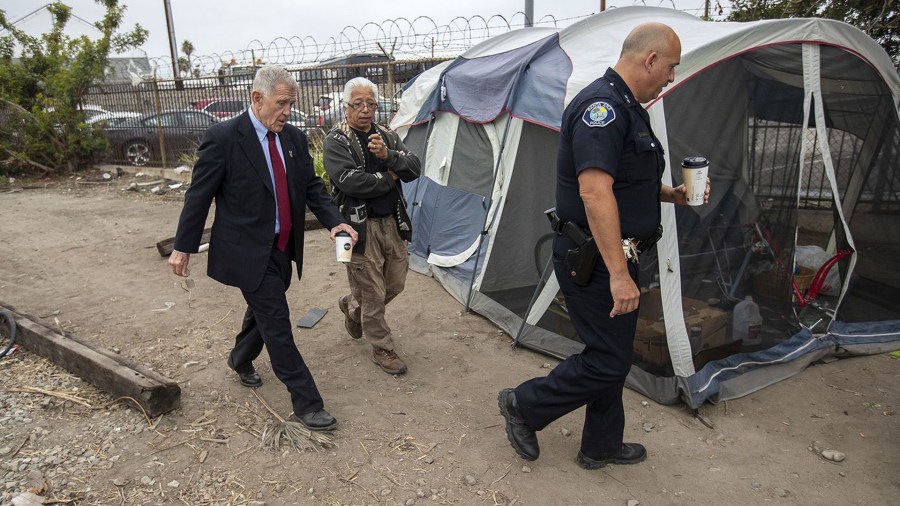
[(650, 338)]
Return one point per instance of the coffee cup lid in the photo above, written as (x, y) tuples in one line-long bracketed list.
[(694, 161), (342, 234)]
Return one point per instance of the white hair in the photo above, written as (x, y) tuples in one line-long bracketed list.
[(270, 76), (359, 82)]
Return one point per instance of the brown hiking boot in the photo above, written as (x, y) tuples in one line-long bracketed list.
[(354, 328), (388, 361)]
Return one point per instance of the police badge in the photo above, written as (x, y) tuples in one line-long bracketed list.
[(598, 114)]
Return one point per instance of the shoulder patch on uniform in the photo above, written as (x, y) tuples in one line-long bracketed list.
[(598, 114)]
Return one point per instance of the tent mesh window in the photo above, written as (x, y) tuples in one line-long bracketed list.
[(773, 198)]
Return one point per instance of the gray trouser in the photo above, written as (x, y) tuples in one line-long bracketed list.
[(376, 277)]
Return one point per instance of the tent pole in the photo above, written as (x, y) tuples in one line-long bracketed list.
[(509, 108), (424, 155), (534, 296), (486, 212), (872, 144)]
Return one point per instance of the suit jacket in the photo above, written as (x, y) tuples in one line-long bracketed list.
[(231, 169)]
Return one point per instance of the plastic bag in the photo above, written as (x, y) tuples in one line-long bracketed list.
[(814, 257)]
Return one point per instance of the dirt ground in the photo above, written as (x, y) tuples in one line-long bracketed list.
[(83, 258)]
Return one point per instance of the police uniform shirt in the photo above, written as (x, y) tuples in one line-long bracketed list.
[(604, 127)]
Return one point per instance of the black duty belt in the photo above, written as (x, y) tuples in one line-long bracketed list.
[(632, 247)]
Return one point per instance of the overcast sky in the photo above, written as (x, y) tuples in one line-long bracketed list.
[(217, 26)]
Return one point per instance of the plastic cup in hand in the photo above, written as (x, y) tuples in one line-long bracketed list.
[(694, 170), (343, 246)]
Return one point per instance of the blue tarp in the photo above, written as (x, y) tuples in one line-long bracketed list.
[(840, 340)]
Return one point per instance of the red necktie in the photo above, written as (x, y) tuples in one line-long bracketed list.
[(281, 193)]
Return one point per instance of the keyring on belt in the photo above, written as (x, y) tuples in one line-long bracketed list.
[(630, 248)]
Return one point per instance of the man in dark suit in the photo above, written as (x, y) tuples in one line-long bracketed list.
[(258, 169)]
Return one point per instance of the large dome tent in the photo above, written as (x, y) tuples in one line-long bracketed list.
[(799, 119)]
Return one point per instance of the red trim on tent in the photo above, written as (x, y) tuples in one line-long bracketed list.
[(695, 74), (755, 48), (505, 109)]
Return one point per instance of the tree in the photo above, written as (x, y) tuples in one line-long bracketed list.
[(879, 19), (188, 49), (184, 68), (42, 127)]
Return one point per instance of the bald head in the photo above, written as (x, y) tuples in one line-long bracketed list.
[(647, 37), (649, 56)]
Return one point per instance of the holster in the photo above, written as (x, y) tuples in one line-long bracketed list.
[(580, 261)]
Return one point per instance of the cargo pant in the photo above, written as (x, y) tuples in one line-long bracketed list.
[(376, 277)]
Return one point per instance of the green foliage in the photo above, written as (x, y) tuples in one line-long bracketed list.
[(42, 127), (184, 64), (318, 156), (879, 19), (187, 47)]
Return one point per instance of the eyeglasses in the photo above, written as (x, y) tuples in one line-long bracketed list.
[(187, 284), (372, 106)]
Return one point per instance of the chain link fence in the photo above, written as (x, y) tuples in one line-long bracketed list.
[(161, 122)]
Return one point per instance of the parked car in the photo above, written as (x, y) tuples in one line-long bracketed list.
[(306, 123), (88, 110), (298, 118), (137, 139), (301, 120), (111, 119), (92, 111), (328, 110), (221, 108), (386, 110)]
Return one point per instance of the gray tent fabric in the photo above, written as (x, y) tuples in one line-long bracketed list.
[(520, 224), (480, 89), (793, 114), (474, 167)]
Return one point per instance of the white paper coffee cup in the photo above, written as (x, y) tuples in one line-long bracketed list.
[(694, 170), (343, 246)]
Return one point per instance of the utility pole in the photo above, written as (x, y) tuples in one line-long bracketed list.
[(529, 13), (602, 5), (173, 47), (706, 10)]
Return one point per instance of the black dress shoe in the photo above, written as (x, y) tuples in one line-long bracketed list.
[(316, 420), (521, 437), (248, 379), (629, 453)]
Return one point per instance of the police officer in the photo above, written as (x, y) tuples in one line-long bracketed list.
[(608, 183)]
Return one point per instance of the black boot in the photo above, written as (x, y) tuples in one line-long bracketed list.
[(521, 437), (629, 453)]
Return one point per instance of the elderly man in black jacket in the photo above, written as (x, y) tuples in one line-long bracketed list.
[(366, 163), (258, 169)]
